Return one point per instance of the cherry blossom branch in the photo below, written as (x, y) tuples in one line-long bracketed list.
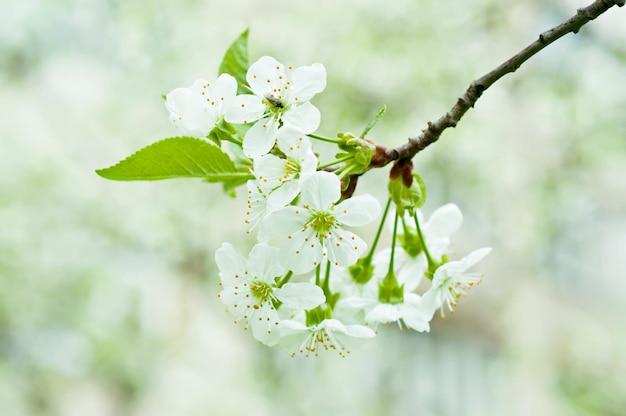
[(434, 130)]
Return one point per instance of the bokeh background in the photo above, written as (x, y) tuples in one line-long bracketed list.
[(108, 290)]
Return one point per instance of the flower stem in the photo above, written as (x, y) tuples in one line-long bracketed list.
[(370, 255), (285, 279), (326, 286), (324, 139), (317, 275), (421, 236), (393, 244), (335, 162), (233, 139), (345, 171), (389, 291)]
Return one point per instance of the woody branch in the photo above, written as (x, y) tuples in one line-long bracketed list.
[(435, 128)]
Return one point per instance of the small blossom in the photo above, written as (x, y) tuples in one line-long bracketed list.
[(281, 99), (400, 304), (250, 291), (257, 205), (450, 282), (355, 297), (281, 178), (330, 334), (408, 312), (197, 109), (315, 231), (411, 263)]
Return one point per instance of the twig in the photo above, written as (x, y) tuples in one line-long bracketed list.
[(432, 133)]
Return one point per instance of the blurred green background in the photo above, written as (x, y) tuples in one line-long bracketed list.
[(108, 290)]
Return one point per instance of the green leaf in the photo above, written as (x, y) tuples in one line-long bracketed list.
[(177, 157), (374, 121), (236, 61)]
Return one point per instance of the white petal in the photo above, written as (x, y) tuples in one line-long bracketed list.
[(320, 190), (264, 323), (458, 267), (475, 256), (431, 302), (180, 101), (308, 164), (285, 193), (200, 85), (349, 336), (412, 314), (345, 247), (229, 262), (257, 204), (236, 301), (199, 123), (409, 270), (245, 108), (417, 322), (333, 325), (357, 211), (225, 90), (291, 139), (307, 81), (261, 137), (268, 169), (282, 223), (359, 331), (292, 335), (383, 313), (264, 75), (444, 222), (305, 117), (381, 263), (356, 303), (302, 295), (302, 253), (289, 327), (188, 113), (264, 263)]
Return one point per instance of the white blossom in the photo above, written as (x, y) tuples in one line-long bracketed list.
[(330, 334), (281, 178), (410, 262), (257, 205), (315, 231), (251, 294), (281, 99), (197, 109), (450, 282), (357, 297), (408, 312)]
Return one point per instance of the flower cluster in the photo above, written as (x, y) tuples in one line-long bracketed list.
[(311, 283)]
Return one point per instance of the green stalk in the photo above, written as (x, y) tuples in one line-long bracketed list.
[(325, 139), (370, 255), (421, 236), (285, 279), (326, 286), (317, 275), (393, 245), (335, 162)]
